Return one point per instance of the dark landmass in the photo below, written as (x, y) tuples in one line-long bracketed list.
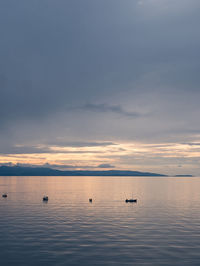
[(183, 175), (40, 171)]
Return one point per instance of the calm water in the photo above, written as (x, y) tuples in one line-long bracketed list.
[(163, 228)]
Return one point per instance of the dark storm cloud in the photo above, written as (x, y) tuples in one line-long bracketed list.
[(78, 144), (53, 166), (32, 150), (12, 149), (192, 144), (105, 108), (105, 165)]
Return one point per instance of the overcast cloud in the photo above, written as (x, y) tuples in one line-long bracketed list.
[(98, 71)]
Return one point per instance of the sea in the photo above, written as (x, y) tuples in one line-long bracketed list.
[(162, 228)]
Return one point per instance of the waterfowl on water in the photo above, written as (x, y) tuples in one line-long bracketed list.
[(130, 200), (45, 198), (4, 195)]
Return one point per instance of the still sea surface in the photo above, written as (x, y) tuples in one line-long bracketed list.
[(162, 228)]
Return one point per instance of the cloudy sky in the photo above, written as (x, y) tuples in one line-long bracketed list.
[(101, 84)]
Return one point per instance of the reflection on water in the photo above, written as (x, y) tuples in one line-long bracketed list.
[(163, 228)]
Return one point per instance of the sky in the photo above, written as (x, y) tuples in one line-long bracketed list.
[(100, 84)]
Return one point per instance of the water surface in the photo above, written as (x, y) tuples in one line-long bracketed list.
[(163, 228)]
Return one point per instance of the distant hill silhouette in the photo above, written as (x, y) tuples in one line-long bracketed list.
[(183, 175), (40, 171)]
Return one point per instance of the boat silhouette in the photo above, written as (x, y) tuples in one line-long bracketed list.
[(130, 200)]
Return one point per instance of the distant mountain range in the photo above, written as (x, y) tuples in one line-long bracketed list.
[(183, 175), (40, 171)]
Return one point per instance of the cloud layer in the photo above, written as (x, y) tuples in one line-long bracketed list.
[(96, 72)]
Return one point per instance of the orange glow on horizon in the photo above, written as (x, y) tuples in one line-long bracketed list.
[(120, 155)]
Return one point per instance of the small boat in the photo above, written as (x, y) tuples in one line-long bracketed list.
[(4, 195), (45, 198), (130, 200), (90, 200)]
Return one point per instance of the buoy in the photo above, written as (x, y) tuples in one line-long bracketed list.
[(45, 198)]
